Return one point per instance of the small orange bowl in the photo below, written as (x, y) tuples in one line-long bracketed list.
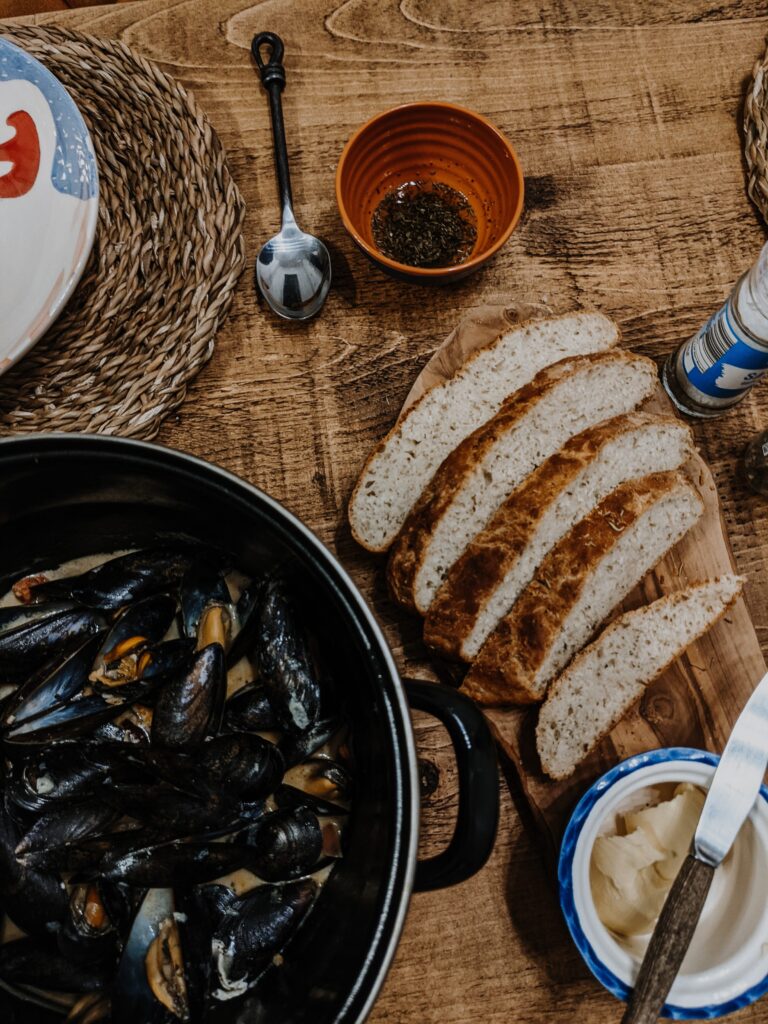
[(434, 142)]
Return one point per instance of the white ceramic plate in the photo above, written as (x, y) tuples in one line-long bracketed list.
[(48, 200)]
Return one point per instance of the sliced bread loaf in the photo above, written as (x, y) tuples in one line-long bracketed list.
[(591, 569), (603, 682), (475, 479), (402, 465), (486, 580)]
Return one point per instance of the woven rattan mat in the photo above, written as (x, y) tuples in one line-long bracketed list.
[(756, 135), (167, 256)]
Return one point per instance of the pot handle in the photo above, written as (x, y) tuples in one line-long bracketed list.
[(478, 813)]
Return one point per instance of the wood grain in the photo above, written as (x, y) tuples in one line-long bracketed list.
[(626, 119)]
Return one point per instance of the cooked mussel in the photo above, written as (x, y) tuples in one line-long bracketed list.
[(29, 646), (62, 772), (121, 580), (255, 927), (202, 589), (286, 667), (64, 720), (88, 934), (250, 766), (287, 843), (166, 659), (150, 986), (174, 863), (24, 614), (249, 710), (190, 707), (36, 901), (65, 824), (55, 683), (140, 626), (297, 747)]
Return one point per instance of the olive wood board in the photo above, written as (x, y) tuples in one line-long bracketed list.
[(696, 701)]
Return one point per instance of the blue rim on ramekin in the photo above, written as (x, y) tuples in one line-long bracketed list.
[(605, 976)]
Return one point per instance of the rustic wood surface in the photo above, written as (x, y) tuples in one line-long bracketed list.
[(626, 117)]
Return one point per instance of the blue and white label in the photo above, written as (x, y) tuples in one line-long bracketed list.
[(723, 359)]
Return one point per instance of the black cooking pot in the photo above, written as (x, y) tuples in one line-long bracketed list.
[(66, 495)]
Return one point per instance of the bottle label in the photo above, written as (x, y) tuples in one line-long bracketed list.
[(723, 358)]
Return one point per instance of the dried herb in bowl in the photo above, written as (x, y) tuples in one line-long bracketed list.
[(425, 224)]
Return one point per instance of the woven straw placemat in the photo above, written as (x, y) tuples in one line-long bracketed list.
[(756, 135), (167, 256)]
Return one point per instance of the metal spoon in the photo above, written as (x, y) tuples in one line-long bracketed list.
[(293, 269)]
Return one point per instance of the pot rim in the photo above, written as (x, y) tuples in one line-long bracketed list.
[(395, 904)]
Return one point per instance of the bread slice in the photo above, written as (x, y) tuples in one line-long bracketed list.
[(579, 583), (480, 474), (402, 465), (603, 682), (485, 582)]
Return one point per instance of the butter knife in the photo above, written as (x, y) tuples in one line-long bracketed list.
[(732, 794)]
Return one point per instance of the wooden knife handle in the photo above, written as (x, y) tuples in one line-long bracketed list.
[(669, 942)]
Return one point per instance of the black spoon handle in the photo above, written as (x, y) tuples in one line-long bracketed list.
[(273, 79)]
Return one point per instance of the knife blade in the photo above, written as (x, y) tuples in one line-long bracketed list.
[(736, 783), (732, 794)]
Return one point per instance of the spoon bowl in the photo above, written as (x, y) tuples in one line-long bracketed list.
[(293, 271)]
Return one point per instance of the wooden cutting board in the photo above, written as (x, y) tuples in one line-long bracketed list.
[(697, 700)]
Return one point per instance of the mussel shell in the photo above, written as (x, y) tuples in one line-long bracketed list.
[(26, 648), (175, 863), (250, 766), (66, 824), (166, 659), (55, 684), (190, 707), (148, 619), (64, 721), (124, 579), (288, 844), (133, 1001), (39, 963), (15, 1010), (256, 928), (165, 807), (203, 585), (249, 710), (297, 747), (87, 934), (246, 614), (62, 772), (36, 901), (283, 658), (24, 614)]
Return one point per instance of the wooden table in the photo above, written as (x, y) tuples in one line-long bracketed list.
[(626, 117)]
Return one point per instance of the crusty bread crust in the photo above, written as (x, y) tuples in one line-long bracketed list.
[(511, 656), (669, 600), (410, 547), (480, 570), (396, 432)]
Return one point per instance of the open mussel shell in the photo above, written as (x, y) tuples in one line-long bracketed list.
[(57, 682), (247, 619), (288, 798), (249, 710), (163, 660), (88, 934), (122, 580), (28, 647), (141, 625), (151, 986), (297, 747), (191, 706), (64, 721), (202, 587), (172, 863), (253, 928)]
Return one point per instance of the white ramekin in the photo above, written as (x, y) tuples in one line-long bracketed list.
[(726, 967)]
